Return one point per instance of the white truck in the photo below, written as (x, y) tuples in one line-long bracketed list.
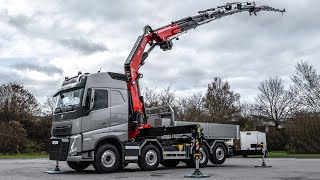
[(251, 143)]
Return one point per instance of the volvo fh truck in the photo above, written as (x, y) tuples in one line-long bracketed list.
[(100, 118)]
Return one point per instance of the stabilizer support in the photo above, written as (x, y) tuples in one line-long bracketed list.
[(263, 165), (197, 136), (56, 169)]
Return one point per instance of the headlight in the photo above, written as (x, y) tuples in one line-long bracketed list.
[(75, 141)]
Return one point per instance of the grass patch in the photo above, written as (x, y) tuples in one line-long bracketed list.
[(285, 154), (23, 156)]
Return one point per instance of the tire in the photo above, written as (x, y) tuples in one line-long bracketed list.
[(170, 163), (78, 166), (204, 158), (106, 159), (219, 154), (150, 158)]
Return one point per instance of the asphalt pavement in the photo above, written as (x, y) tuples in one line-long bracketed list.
[(233, 168)]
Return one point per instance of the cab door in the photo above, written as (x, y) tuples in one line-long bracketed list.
[(97, 121)]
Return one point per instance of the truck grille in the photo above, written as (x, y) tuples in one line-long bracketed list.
[(58, 150), (61, 131)]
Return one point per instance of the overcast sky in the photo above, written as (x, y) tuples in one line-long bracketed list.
[(43, 41)]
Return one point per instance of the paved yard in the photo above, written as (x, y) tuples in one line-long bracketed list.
[(234, 168)]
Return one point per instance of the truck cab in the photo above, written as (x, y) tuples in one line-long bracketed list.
[(89, 108)]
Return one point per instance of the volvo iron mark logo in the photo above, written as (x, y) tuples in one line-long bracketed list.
[(61, 117)]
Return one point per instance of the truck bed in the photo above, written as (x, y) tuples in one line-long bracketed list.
[(163, 116), (215, 130)]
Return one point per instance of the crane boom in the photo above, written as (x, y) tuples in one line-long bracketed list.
[(163, 37)]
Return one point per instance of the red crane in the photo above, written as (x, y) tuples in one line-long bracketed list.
[(163, 37)]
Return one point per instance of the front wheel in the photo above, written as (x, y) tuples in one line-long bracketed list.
[(107, 159), (78, 166), (150, 158), (219, 153)]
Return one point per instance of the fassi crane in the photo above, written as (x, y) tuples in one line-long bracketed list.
[(163, 37)]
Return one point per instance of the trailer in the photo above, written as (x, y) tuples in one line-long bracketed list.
[(252, 143)]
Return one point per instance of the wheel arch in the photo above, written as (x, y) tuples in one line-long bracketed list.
[(153, 142), (214, 142), (110, 140), (206, 144)]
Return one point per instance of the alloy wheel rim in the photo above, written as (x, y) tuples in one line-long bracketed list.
[(151, 157), (219, 153), (108, 158)]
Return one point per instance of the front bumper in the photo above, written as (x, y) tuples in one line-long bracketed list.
[(68, 149), (58, 149)]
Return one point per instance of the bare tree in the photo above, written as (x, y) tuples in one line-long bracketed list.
[(194, 110), (222, 104), (17, 103), (250, 116), (181, 109), (159, 97), (167, 96), (151, 97), (275, 103), (307, 86), (49, 106)]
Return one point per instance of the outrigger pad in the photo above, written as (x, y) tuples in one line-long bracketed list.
[(263, 165), (196, 174), (54, 172)]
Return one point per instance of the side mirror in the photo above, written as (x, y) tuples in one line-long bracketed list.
[(89, 100), (92, 100)]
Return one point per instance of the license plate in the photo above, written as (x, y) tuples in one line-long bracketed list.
[(55, 142)]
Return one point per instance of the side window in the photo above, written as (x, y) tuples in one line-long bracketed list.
[(116, 98), (100, 99)]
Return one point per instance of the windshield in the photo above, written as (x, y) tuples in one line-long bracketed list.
[(70, 98)]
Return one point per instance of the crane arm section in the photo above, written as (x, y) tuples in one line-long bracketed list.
[(163, 37)]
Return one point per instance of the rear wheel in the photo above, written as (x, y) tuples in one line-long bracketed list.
[(204, 158), (219, 153), (107, 159), (170, 163), (78, 166), (150, 158)]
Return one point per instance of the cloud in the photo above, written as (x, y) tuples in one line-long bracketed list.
[(84, 46), (87, 35), (46, 69), (40, 84), (38, 26)]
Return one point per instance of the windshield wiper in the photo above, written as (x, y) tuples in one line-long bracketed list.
[(69, 108)]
